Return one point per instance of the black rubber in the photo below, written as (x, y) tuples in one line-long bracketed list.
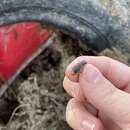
[(100, 23)]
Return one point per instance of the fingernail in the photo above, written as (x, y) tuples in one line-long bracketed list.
[(87, 125), (91, 74)]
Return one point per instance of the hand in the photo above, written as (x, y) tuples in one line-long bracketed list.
[(101, 99)]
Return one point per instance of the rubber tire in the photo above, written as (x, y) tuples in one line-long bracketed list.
[(88, 20)]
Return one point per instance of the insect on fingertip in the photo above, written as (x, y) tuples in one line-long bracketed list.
[(78, 67)]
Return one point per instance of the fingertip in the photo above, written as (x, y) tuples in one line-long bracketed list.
[(73, 89), (71, 75), (71, 113), (68, 87), (73, 70), (79, 118)]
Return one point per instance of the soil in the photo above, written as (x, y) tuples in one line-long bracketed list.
[(38, 100)]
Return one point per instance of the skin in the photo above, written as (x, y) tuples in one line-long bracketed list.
[(101, 99)]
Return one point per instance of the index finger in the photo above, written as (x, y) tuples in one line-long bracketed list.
[(116, 72)]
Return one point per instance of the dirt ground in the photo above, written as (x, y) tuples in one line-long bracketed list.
[(38, 93)]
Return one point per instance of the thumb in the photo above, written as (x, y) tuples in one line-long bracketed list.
[(102, 94)]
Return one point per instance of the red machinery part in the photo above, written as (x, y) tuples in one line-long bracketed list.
[(18, 42)]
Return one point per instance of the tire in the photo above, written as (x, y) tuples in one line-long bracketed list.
[(99, 23)]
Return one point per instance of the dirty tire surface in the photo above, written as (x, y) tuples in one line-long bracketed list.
[(103, 23)]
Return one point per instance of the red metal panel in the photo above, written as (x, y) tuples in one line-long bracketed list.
[(17, 43)]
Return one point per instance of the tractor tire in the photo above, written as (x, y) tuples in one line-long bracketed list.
[(99, 23)]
